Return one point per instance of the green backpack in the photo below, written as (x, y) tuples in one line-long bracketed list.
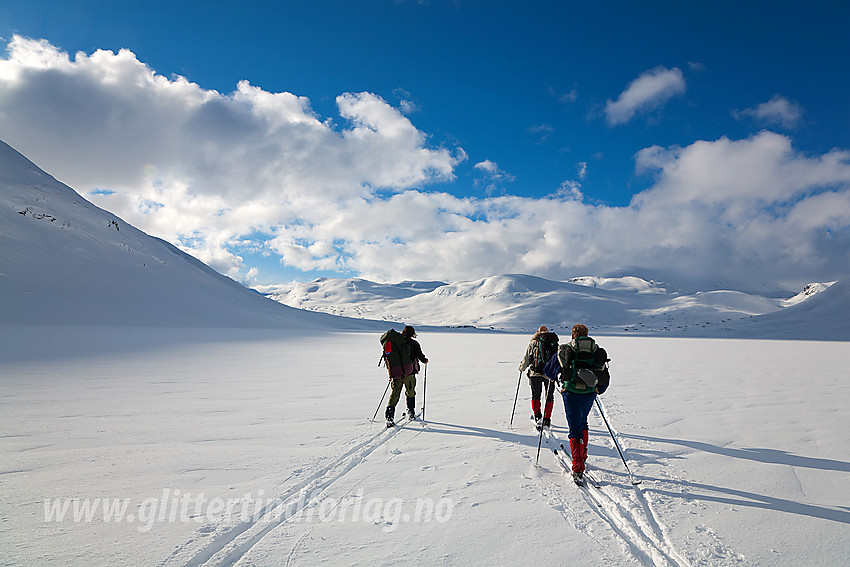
[(396, 356), (583, 367)]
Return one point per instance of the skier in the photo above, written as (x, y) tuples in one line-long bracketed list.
[(582, 367), (542, 347), (408, 380)]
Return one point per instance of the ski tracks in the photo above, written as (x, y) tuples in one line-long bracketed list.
[(633, 519), (230, 545), (626, 510)]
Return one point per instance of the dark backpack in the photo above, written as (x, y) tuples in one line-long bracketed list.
[(396, 354), (584, 368), (544, 347)]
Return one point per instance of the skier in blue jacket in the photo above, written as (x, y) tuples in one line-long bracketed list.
[(582, 371)]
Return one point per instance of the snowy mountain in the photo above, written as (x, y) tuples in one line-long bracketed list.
[(823, 315), (614, 305), (65, 261)]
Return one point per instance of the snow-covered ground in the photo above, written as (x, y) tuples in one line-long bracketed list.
[(741, 445)]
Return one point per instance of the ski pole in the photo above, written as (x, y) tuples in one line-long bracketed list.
[(516, 397), (424, 387), (539, 444), (382, 401), (540, 441), (616, 444)]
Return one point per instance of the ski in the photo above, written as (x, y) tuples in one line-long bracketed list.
[(403, 420), (588, 483), (538, 425), (560, 457), (391, 422)]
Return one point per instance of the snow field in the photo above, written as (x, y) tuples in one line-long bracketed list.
[(739, 443)]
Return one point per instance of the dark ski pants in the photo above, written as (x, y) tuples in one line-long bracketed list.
[(409, 384), (578, 407)]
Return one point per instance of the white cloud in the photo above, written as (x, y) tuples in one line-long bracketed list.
[(581, 169), (778, 111), (253, 170), (193, 165), (570, 190), (405, 101), (740, 174), (650, 90), (492, 177)]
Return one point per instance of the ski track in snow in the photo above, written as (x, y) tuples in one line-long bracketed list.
[(626, 510), (230, 546), (609, 501), (627, 520)]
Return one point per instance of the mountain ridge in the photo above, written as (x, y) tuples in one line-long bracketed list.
[(520, 303)]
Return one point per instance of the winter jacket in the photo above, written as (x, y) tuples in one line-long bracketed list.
[(528, 359), (416, 354)]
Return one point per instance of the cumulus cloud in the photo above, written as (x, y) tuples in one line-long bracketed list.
[(778, 111), (253, 171), (195, 166), (650, 90)]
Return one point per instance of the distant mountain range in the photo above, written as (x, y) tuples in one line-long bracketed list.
[(515, 302)]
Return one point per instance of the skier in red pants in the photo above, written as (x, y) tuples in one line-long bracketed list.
[(582, 370), (542, 347)]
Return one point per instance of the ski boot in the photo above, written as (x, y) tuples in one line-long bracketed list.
[(578, 478)]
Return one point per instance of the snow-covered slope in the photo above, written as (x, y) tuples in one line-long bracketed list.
[(809, 291), (822, 316), (65, 261), (621, 305)]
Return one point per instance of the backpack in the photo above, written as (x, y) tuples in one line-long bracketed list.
[(583, 367), (396, 354), (544, 347)]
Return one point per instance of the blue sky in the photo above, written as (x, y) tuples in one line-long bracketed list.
[(527, 127)]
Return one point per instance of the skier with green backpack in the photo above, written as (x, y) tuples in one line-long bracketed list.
[(401, 356), (581, 369)]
